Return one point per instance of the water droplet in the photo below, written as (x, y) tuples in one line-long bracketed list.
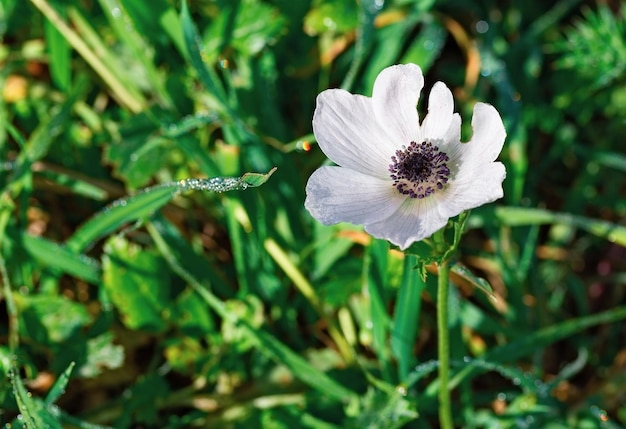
[(116, 12), (401, 389), (517, 381), (134, 157), (501, 396), (482, 27), (467, 359)]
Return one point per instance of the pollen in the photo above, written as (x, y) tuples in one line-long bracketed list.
[(419, 170)]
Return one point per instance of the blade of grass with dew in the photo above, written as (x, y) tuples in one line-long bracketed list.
[(76, 184), (58, 388), (140, 206), (58, 257), (33, 413), (266, 342), (405, 322)]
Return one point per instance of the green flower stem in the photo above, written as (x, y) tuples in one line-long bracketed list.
[(443, 345)]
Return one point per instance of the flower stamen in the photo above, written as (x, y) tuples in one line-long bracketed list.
[(419, 170)]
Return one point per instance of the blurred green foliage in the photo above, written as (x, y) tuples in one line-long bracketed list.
[(178, 307)]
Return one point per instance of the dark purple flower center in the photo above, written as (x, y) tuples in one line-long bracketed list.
[(419, 170)]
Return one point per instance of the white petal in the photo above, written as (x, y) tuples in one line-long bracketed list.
[(337, 194), (440, 113), (395, 96), (473, 188), (347, 132), (415, 220), (489, 134), (451, 139)]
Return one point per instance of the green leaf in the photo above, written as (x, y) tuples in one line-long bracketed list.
[(138, 284), (257, 179), (141, 150), (466, 274), (51, 319), (60, 54), (190, 315), (58, 388), (59, 257)]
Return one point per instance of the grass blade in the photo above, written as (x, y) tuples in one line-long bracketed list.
[(406, 317), (141, 206)]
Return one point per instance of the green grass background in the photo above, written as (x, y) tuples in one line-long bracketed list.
[(132, 298)]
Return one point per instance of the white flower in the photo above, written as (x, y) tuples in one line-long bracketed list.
[(401, 179)]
